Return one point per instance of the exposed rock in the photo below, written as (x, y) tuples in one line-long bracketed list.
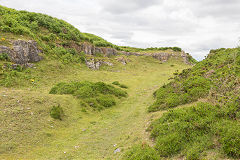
[(93, 64), (117, 150), (107, 63), (96, 64), (162, 56), (92, 50), (4, 49), (122, 60), (23, 52)]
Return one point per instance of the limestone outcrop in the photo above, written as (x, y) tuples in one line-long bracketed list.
[(96, 64), (22, 52), (92, 50)]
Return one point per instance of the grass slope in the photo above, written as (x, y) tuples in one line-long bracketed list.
[(206, 129), (30, 133)]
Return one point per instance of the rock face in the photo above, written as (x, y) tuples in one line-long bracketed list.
[(23, 52), (162, 56), (96, 64), (92, 50), (122, 60)]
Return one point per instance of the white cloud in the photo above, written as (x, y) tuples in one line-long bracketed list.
[(195, 26)]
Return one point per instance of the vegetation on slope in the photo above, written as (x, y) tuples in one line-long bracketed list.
[(52, 33), (211, 126), (152, 49), (217, 75), (96, 95), (29, 132), (45, 29)]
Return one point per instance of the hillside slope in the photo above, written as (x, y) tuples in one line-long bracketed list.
[(57, 38), (52, 106), (208, 130)]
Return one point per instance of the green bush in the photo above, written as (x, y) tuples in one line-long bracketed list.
[(106, 100), (142, 153), (56, 112), (123, 86), (229, 132), (4, 57), (85, 92), (96, 95)]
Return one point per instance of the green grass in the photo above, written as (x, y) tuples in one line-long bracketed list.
[(30, 132), (196, 131)]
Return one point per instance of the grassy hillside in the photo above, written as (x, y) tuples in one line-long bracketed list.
[(48, 31), (52, 33), (29, 132), (209, 129)]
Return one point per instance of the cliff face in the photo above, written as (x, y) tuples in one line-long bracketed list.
[(162, 56), (22, 52), (92, 50)]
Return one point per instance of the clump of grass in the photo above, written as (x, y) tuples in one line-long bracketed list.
[(56, 112), (4, 57), (123, 86), (116, 83), (96, 95), (120, 85), (142, 153)]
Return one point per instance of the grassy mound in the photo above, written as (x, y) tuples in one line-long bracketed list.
[(44, 28), (192, 131), (97, 95), (195, 131), (216, 76)]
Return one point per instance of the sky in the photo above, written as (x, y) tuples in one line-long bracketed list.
[(196, 26)]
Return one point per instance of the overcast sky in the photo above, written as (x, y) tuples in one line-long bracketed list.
[(194, 25)]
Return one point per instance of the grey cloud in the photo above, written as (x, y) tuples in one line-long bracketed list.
[(126, 6)]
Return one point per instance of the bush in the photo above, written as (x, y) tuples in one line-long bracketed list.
[(84, 92), (142, 153), (4, 57), (56, 112), (106, 100), (123, 86), (97, 95), (229, 132)]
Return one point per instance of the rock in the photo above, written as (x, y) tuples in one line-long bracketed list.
[(23, 52), (96, 64), (108, 63), (117, 150), (92, 50), (122, 60)]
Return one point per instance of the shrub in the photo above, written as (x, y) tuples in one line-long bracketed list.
[(229, 132), (56, 112), (4, 57), (123, 86), (97, 95), (142, 153), (84, 92), (106, 100), (180, 129)]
